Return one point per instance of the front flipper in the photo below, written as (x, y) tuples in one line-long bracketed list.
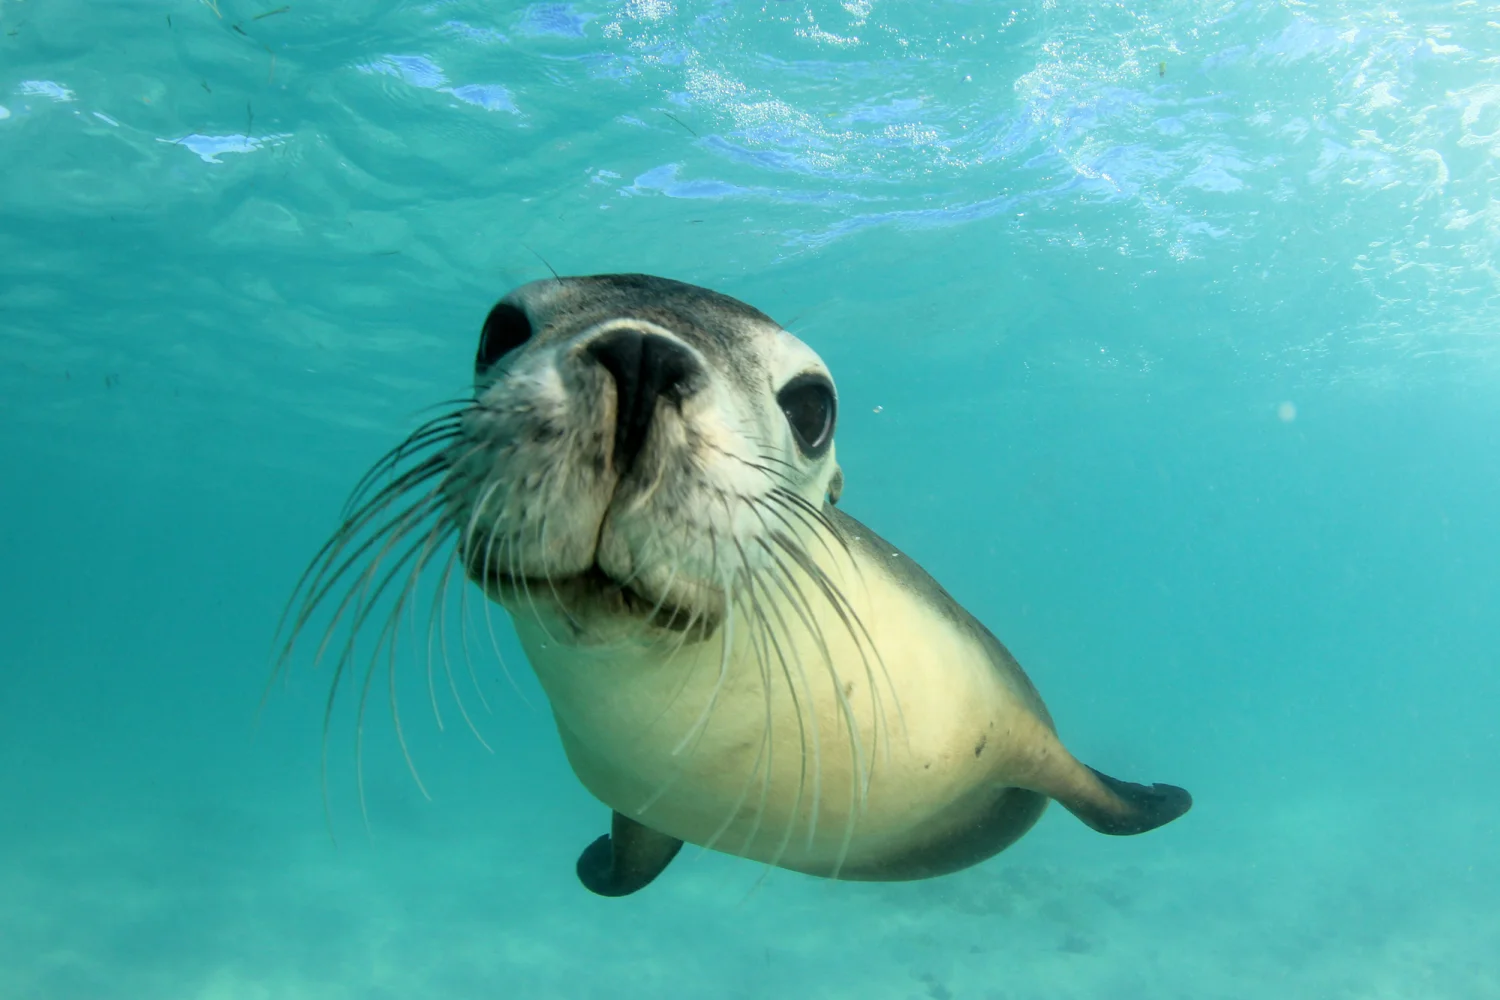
[(626, 859)]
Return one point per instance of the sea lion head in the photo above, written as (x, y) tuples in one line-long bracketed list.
[(635, 448)]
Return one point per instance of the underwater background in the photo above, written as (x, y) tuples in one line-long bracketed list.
[(1167, 336)]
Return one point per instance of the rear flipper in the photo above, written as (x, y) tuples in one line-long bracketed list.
[(626, 859), (1122, 808)]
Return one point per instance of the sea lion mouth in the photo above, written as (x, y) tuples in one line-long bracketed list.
[(581, 596)]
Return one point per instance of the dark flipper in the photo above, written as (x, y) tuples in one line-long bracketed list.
[(1122, 808), (626, 859)]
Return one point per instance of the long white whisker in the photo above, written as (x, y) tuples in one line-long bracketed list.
[(489, 624), (805, 729), (438, 601)]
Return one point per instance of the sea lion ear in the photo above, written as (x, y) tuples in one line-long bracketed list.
[(836, 486)]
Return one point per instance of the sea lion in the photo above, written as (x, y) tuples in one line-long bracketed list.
[(645, 479)]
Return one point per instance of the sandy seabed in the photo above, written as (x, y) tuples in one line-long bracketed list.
[(1318, 899)]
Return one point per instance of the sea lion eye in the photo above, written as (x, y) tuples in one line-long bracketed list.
[(505, 329), (809, 405)]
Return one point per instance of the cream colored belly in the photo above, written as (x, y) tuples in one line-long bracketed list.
[(782, 753)]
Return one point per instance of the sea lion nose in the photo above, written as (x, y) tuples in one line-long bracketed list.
[(646, 367)]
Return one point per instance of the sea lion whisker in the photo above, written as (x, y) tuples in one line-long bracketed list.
[(877, 701), (432, 618), (437, 624), (802, 605), (688, 529), (764, 644), (524, 578), (330, 565), (766, 464), (698, 616), (390, 535), (488, 567), (750, 431), (419, 555), (781, 574), (764, 766), (562, 605), (820, 517), (362, 600), (813, 511), (697, 619), (764, 455), (388, 637), (877, 704), (770, 644), (696, 613), (366, 606), (661, 601), (860, 766), (785, 473), (510, 546), (340, 666), (727, 633), (438, 434), (804, 729), (771, 503), (810, 566), (511, 549), (464, 404), (687, 676), (838, 603), (713, 574), (777, 500), (764, 470), (489, 624), (653, 542), (841, 600), (464, 625), (515, 541), (471, 526), (438, 603), (443, 429), (764, 763), (441, 530), (390, 670), (436, 443)]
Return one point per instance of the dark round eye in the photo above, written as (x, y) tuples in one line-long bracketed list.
[(505, 329), (810, 407)]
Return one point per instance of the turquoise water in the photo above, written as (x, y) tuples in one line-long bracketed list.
[(1167, 337)]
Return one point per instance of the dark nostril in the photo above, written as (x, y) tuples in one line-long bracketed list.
[(645, 367)]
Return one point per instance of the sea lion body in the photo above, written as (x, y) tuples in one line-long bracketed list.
[(646, 481), (952, 734)]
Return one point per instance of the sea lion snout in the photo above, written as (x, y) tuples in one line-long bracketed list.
[(646, 369)]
